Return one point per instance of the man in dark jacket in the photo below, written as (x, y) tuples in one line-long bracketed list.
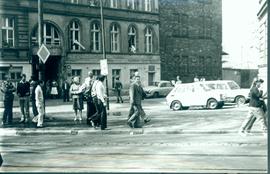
[(118, 87), (255, 110), (136, 95), (8, 89), (23, 91)]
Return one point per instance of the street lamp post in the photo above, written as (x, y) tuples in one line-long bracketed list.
[(103, 47)]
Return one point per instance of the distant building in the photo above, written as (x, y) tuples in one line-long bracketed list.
[(131, 31), (190, 39), (262, 33)]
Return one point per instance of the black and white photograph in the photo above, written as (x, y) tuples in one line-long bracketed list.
[(134, 86)]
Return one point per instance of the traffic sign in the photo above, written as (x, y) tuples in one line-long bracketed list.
[(43, 53), (104, 67)]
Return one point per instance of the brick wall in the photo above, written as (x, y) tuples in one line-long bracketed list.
[(190, 39)]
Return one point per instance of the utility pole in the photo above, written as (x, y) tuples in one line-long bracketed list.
[(103, 47), (40, 38)]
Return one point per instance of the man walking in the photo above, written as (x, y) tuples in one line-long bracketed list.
[(118, 87), (255, 109), (23, 91), (40, 104), (136, 95), (8, 89)]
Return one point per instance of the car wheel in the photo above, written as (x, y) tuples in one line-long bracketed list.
[(240, 100), (156, 95), (212, 104), (176, 105)]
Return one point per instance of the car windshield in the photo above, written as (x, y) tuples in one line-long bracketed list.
[(233, 85)]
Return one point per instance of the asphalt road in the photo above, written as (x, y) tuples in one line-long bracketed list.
[(207, 142)]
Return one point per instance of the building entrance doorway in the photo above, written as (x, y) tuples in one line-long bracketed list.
[(52, 75), (52, 66)]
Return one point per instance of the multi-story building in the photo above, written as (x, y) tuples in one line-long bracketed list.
[(190, 39), (262, 35), (131, 38)]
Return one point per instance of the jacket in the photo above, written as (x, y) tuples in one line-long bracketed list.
[(8, 90), (23, 89), (255, 96), (136, 94)]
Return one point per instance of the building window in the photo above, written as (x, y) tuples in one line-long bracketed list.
[(96, 72), (147, 5), (115, 73), (114, 4), (76, 72), (132, 39), (132, 4), (51, 36), (148, 40), (114, 38), (8, 32), (74, 35), (74, 1), (95, 37)]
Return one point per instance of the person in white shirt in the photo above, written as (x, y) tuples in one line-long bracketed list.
[(40, 104), (98, 91)]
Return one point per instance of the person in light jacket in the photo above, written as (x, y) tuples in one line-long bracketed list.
[(40, 104)]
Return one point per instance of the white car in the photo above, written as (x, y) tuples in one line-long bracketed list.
[(161, 88), (234, 94), (194, 94)]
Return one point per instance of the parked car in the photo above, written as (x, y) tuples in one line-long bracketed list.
[(194, 94), (233, 92), (161, 88)]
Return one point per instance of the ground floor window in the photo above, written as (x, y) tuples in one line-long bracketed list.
[(96, 72), (151, 78), (115, 74), (76, 72)]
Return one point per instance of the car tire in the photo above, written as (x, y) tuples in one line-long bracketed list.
[(240, 100), (212, 104), (156, 95), (176, 105)]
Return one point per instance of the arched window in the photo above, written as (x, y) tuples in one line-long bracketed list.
[(95, 37), (74, 29), (148, 40), (132, 39), (115, 38), (50, 35)]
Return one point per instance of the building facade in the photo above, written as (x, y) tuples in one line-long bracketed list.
[(131, 39), (262, 35), (190, 39)]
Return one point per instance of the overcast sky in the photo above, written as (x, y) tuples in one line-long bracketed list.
[(239, 24)]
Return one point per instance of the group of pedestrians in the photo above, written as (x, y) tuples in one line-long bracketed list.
[(26, 91), (93, 91)]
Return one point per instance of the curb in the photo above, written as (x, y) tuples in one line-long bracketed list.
[(44, 131)]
